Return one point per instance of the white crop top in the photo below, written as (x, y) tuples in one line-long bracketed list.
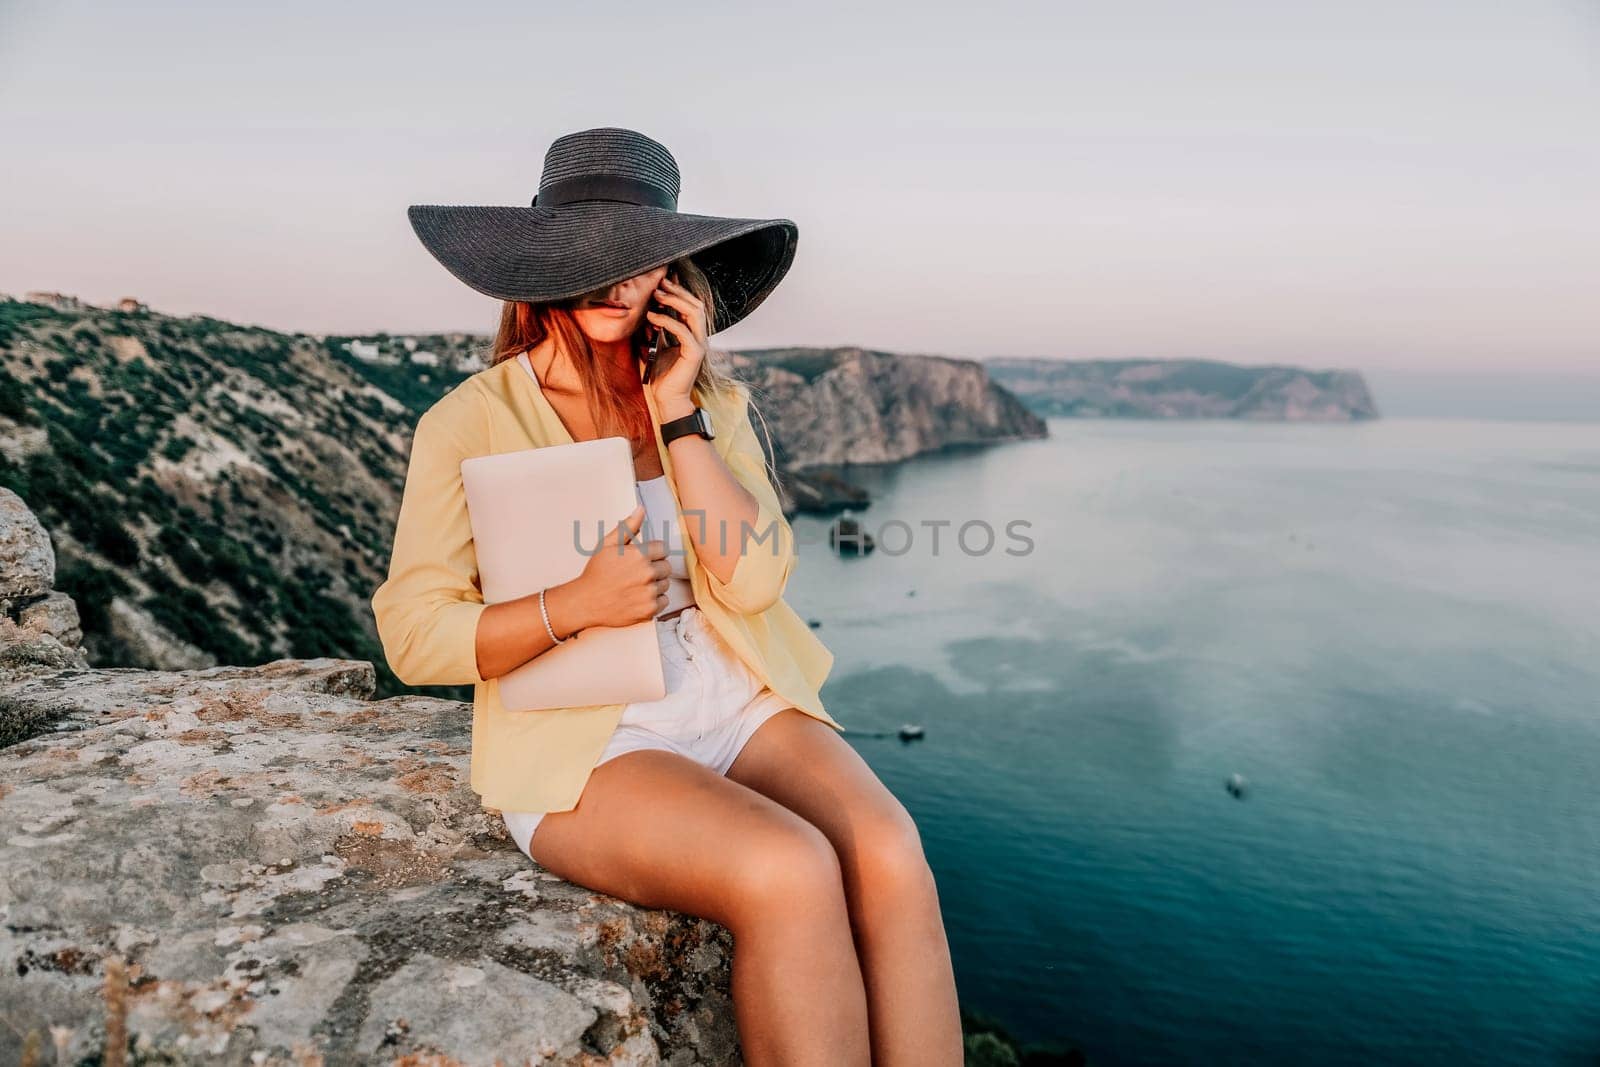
[(661, 524)]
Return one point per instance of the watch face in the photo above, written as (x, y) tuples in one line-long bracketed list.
[(705, 421)]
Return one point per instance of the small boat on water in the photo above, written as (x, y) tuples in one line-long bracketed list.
[(909, 731)]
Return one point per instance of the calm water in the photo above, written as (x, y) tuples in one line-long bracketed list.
[(1391, 630)]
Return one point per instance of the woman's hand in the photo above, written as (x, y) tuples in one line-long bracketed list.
[(673, 387), (625, 580)]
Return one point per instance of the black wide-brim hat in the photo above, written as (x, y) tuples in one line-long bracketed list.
[(605, 211)]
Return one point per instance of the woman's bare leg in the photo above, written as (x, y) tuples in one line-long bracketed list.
[(803, 764), (662, 831)]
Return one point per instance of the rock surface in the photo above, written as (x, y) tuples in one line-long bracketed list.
[(261, 865), (832, 407), (27, 559), (39, 627)]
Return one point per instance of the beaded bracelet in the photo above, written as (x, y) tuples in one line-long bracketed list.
[(548, 628)]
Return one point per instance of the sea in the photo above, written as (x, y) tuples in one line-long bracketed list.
[(1385, 634)]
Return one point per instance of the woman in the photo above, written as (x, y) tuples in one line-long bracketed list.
[(732, 798)]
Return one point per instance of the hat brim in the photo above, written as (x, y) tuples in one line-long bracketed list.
[(556, 253)]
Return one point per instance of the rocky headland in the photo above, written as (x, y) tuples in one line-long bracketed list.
[(1185, 389)]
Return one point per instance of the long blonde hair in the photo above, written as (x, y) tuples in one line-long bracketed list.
[(616, 404)]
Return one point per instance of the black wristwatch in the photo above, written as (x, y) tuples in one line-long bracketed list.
[(697, 421)]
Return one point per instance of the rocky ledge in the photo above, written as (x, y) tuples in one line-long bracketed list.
[(261, 866)]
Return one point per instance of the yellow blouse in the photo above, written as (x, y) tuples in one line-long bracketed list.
[(427, 609)]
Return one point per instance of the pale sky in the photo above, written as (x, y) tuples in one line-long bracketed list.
[(1394, 186)]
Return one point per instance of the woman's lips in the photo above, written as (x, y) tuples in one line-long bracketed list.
[(611, 309)]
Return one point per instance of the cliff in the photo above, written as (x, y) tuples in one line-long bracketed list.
[(832, 407), (1188, 389)]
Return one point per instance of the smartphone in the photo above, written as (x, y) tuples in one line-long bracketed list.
[(659, 340)]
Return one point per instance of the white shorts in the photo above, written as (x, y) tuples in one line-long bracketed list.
[(714, 703)]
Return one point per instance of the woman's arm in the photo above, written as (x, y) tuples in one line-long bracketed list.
[(427, 609), (624, 582), (732, 511), (512, 632), (434, 625)]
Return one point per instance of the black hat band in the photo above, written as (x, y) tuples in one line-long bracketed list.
[(615, 187)]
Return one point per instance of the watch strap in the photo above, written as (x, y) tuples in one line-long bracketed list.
[(694, 422)]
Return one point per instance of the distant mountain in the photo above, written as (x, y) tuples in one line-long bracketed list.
[(220, 493), (1184, 389)]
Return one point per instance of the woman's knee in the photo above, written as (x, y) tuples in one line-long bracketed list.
[(886, 852), (788, 868)]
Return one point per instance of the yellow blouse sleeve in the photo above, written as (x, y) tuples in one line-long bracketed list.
[(427, 610), (763, 568)]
